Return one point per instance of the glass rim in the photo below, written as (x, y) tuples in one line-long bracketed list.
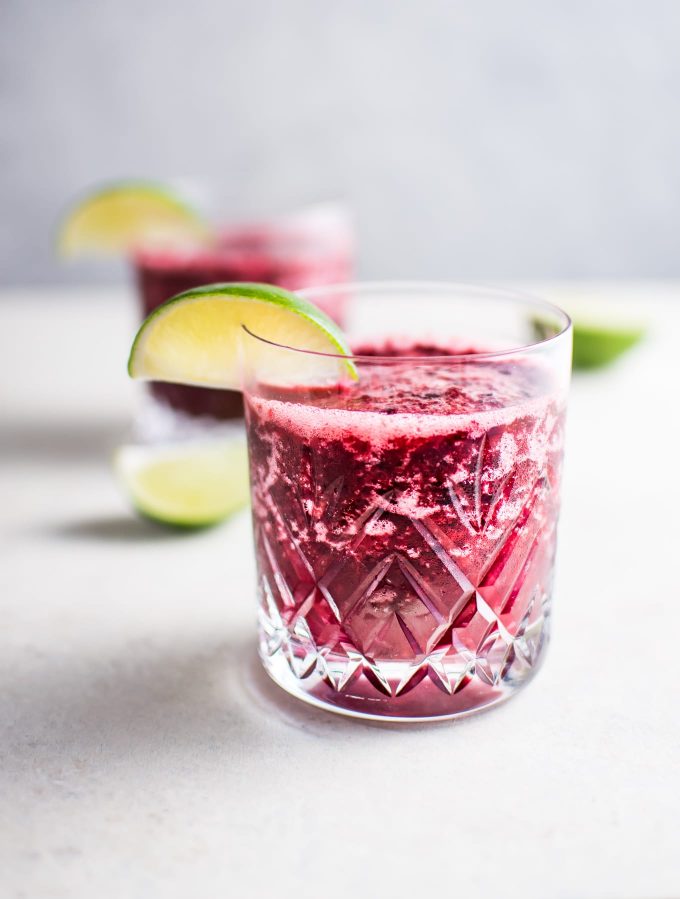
[(491, 291)]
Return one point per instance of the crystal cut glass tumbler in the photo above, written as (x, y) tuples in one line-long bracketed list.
[(405, 522)]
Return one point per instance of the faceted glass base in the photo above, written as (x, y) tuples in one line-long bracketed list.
[(429, 689)]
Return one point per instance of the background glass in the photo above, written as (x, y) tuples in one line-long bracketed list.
[(312, 247)]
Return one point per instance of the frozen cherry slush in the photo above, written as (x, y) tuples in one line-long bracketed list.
[(405, 529)]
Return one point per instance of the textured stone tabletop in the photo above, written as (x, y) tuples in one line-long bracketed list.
[(142, 752)]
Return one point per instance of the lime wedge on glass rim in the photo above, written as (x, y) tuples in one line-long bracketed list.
[(188, 485), (123, 216), (200, 337)]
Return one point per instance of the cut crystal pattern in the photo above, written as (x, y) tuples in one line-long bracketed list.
[(450, 635)]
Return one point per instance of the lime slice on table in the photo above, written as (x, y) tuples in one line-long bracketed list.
[(199, 337), (187, 485), (600, 335), (121, 217), (597, 344)]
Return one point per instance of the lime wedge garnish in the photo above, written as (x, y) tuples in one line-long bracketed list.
[(188, 485), (124, 216), (198, 337)]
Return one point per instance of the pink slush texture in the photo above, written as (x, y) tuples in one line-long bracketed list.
[(400, 515)]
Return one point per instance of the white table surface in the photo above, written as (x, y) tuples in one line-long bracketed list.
[(143, 754)]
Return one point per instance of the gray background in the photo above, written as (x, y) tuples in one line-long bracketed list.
[(473, 139)]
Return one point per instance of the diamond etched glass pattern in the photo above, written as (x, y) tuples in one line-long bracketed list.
[(405, 559)]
